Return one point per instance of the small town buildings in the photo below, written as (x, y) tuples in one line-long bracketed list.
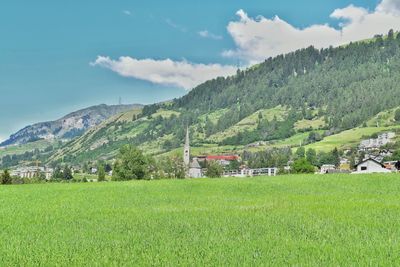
[(247, 172), (32, 172), (370, 166), (375, 143)]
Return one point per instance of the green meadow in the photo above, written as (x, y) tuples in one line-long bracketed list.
[(313, 220)]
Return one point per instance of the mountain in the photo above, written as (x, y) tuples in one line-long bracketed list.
[(302, 97), (68, 127), (323, 99)]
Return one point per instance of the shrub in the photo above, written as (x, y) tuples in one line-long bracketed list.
[(131, 164), (6, 178), (303, 166), (214, 170)]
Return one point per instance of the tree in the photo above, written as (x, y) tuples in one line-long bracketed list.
[(57, 174), (6, 178), (130, 164), (397, 114), (101, 173), (336, 157), (214, 169), (391, 34), (301, 152), (301, 165), (172, 168), (311, 156), (233, 165), (67, 173)]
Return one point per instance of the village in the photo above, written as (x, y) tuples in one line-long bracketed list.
[(196, 166)]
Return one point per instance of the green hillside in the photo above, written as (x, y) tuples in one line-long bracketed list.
[(284, 101), (297, 220)]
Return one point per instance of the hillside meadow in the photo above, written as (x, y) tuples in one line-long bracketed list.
[(330, 220)]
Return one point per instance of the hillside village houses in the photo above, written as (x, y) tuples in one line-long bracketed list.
[(375, 143), (32, 172), (194, 169)]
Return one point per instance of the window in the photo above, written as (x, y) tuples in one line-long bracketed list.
[(364, 168)]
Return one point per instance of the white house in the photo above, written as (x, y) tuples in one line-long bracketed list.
[(327, 167), (195, 169), (370, 166)]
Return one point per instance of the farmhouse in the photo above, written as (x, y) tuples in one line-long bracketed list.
[(370, 166)]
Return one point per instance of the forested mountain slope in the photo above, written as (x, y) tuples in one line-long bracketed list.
[(292, 99)]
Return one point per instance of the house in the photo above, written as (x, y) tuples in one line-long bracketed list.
[(392, 165), (195, 169), (326, 168), (370, 166), (93, 170)]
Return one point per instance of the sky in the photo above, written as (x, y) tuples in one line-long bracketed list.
[(59, 56)]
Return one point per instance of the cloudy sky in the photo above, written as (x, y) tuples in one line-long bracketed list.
[(58, 56)]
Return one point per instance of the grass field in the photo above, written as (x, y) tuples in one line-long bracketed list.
[(341, 220)]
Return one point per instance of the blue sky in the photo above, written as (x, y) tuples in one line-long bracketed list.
[(49, 49)]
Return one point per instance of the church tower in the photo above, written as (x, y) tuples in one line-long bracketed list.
[(186, 150)]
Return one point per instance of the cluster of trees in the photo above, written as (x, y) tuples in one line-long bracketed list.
[(132, 164), (302, 161), (63, 173), (13, 160)]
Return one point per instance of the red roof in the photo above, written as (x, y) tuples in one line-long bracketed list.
[(228, 158)]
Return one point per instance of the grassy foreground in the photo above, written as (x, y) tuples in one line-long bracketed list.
[(341, 220)]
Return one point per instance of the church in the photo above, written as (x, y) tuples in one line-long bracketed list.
[(193, 168)]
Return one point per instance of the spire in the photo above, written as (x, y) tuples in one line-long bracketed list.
[(186, 151)]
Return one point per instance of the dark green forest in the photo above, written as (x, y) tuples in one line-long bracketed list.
[(346, 85)]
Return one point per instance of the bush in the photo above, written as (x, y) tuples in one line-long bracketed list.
[(303, 166), (101, 174), (6, 178), (214, 170), (397, 115), (131, 164)]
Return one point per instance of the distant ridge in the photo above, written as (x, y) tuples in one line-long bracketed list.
[(69, 126)]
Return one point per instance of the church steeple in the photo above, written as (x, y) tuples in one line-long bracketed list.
[(186, 150)]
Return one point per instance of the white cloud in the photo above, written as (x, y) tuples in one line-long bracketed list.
[(210, 35), (165, 72), (127, 12), (389, 6), (259, 38)]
